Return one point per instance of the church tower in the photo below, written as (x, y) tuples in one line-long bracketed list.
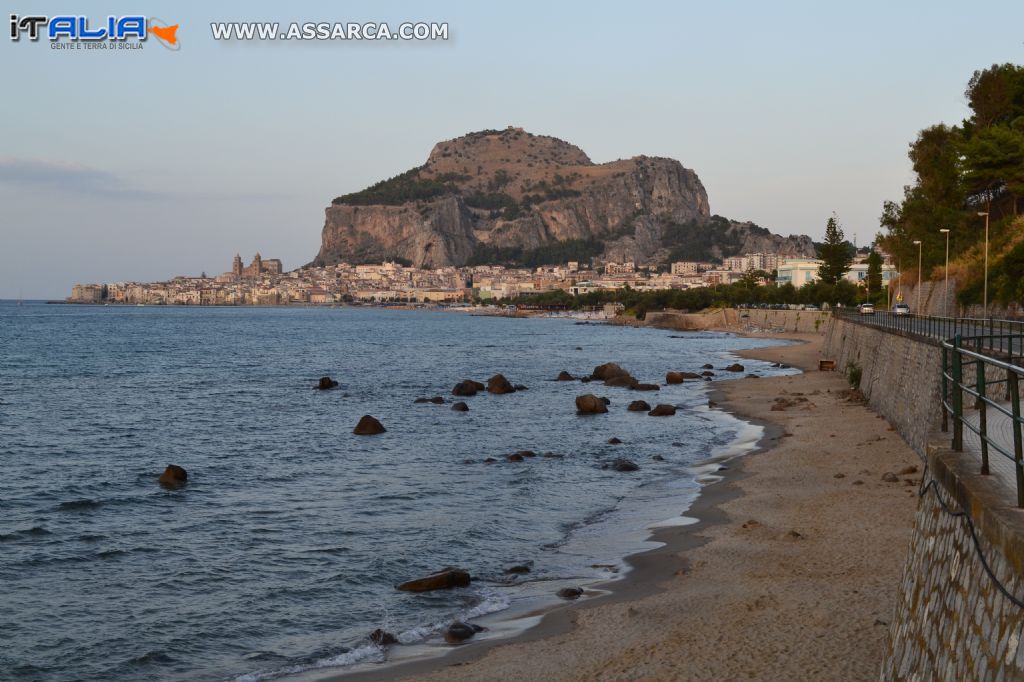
[(236, 267), (257, 265)]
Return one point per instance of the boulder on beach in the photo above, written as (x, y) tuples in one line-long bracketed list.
[(622, 464), (565, 376), (173, 476), (326, 384), (368, 426), (498, 384), (734, 367), (590, 404), (460, 407), (663, 410), (570, 593), (442, 580), (638, 406), (458, 632), (382, 637)]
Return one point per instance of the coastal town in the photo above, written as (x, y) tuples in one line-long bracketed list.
[(264, 281)]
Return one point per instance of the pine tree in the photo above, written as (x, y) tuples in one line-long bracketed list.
[(874, 279), (834, 253)]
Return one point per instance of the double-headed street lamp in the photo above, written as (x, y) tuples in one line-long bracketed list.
[(985, 300), (945, 290), (917, 310)]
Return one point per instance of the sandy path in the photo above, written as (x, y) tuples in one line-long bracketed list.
[(796, 579)]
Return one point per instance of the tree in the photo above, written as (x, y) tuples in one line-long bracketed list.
[(874, 279), (834, 254)]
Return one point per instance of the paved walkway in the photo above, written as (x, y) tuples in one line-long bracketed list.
[(1000, 432)]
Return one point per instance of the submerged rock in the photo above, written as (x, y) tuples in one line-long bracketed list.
[(521, 569), (638, 406), (326, 384), (173, 476), (565, 376), (442, 580), (663, 410), (646, 387), (590, 404), (460, 407), (368, 426), (622, 464), (707, 365), (467, 388), (614, 441)]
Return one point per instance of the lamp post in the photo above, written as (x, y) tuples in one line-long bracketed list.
[(918, 305), (985, 300), (945, 290)]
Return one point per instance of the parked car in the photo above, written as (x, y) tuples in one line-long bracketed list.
[(811, 306), (901, 309), (866, 308)]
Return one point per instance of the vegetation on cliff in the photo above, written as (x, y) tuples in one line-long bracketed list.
[(961, 171)]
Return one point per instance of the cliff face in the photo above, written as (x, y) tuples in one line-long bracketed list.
[(512, 192)]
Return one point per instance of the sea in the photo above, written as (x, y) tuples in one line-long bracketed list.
[(281, 554)]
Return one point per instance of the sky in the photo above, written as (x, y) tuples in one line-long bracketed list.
[(146, 164)]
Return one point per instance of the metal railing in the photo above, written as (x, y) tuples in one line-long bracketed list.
[(1002, 337), (967, 372), (982, 362)]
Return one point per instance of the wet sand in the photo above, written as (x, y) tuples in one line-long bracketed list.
[(791, 572)]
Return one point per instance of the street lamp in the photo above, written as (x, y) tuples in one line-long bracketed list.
[(917, 310), (945, 290), (985, 300)]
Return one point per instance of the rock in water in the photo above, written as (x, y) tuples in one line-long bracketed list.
[(663, 410), (458, 632), (638, 406), (382, 638), (368, 426), (522, 569), (707, 365), (442, 580), (646, 387), (498, 384), (465, 389), (460, 407), (614, 441), (327, 383), (734, 367), (623, 464), (607, 371), (590, 404), (565, 376), (674, 378), (437, 400), (570, 593), (173, 476)]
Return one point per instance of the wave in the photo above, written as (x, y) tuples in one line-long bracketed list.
[(34, 531), (80, 505)]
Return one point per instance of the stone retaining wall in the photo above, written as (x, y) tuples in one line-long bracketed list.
[(741, 319), (952, 621), (899, 376)]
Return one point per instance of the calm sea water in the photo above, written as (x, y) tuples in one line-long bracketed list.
[(282, 552)]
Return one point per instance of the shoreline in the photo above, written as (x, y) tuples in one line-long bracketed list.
[(568, 637), (645, 567)]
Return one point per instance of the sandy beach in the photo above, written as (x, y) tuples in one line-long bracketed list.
[(791, 572)]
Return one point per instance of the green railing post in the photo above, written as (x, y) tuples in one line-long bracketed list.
[(1016, 426), (958, 397), (945, 390), (982, 417)]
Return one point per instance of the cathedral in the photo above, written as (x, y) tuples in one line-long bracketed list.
[(258, 267)]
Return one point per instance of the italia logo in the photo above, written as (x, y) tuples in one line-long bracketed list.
[(77, 28)]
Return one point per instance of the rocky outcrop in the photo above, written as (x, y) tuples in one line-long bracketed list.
[(510, 189), (368, 426), (173, 477), (442, 580), (590, 404)]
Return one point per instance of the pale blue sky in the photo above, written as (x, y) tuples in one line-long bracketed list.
[(150, 164)]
